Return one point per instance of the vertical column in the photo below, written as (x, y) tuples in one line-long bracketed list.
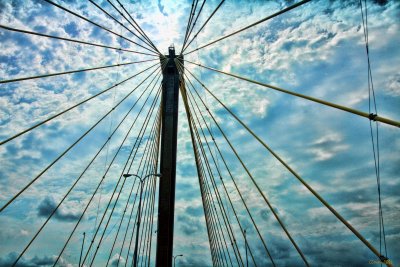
[(166, 202)]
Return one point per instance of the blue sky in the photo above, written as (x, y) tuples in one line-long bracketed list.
[(317, 49)]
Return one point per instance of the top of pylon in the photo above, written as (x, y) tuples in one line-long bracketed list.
[(171, 50)]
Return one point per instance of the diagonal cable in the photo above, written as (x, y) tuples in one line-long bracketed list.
[(204, 24), (145, 155), (191, 14), (141, 37), (252, 178), (192, 26), (324, 202), (252, 25), (202, 192), (118, 194), (129, 220), (222, 181), (112, 248), (72, 71), (70, 147), (233, 180), (121, 24), (73, 40), (133, 231), (90, 21), (77, 180), (375, 145), (155, 168), (371, 116), (138, 28), (216, 191), (94, 193), (213, 209), (211, 178), (72, 107)]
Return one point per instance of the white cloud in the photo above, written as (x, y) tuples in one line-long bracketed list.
[(317, 50), (328, 146)]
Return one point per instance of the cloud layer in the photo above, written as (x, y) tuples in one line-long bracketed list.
[(317, 49)]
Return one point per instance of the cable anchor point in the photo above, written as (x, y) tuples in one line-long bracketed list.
[(372, 116)]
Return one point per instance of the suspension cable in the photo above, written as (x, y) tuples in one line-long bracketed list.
[(126, 206), (217, 195), (72, 107), (326, 204), (188, 23), (118, 22), (70, 147), (112, 248), (145, 199), (221, 242), (74, 40), (137, 249), (191, 16), (131, 238), (204, 24), (72, 71), (212, 158), (106, 158), (232, 180), (215, 188), (262, 239), (136, 216), (139, 29), (139, 134), (208, 188), (252, 25), (193, 25), (371, 116), (90, 21), (141, 37), (78, 179), (251, 254), (214, 256), (146, 220), (149, 229), (122, 218), (130, 217), (196, 156), (214, 237), (119, 149), (195, 21), (218, 244), (147, 194), (375, 145), (205, 210), (135, 223), (94, 193), (155, 167), (118, 194), (252, 179), (148, 209)]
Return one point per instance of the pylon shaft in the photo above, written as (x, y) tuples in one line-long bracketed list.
[(166, 203)]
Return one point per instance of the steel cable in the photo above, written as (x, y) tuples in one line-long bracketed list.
[(251, 25), (72, 71), (323, 102), (71, 108), (254, 182)]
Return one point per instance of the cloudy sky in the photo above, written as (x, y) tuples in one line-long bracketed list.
[(317, 49)]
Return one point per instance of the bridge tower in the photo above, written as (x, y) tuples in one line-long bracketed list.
[(166, 202)]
